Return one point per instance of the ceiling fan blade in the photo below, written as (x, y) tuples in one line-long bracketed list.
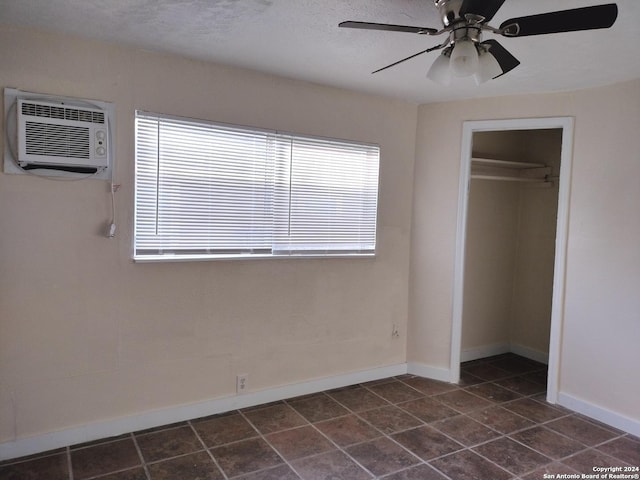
[(388, 27), (506, 61), (483, 8), (586, 18), (437, 47)]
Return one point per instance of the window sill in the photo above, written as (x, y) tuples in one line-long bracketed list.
[(210, 258)]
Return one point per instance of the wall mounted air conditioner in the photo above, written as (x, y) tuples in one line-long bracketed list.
[(59, 136)]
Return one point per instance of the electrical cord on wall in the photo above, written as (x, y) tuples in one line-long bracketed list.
[(112, 225)]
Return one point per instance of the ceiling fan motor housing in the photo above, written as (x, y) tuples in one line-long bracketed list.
[(449, 10), (460, 27)]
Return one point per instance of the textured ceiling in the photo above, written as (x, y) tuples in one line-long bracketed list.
[(301, 39)]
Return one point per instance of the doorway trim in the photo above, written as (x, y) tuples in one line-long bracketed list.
[(562, 226)]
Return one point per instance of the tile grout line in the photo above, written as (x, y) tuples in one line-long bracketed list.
[(121, 470), (586, 446), (69, 464), (515, 475), (144, 463), (176, 456), (509, 437), (428, 462), (397, 405), (263, 437), (604, 426), (502, 435), (495, 384), (206, 449), (338, 447), (344, 449), (389, 436), (543, 424), (444, 475), (466, 448), (383, 434), (472, 452)]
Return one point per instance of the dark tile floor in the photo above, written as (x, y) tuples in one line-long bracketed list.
[(494, 425)]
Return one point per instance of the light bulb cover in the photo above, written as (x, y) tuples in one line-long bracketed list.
[(440, 71), (464, 58), (488, 68)]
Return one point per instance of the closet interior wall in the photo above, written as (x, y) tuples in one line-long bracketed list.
[(510, 249)]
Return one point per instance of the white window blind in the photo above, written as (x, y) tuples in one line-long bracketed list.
[(206, 190)]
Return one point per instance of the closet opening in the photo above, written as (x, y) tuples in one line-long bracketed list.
[(510, 251)]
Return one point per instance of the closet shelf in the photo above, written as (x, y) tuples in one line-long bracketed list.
[(510, 171), (489, 162)]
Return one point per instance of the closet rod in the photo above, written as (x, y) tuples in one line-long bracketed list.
[(490, 162), (508, 179)]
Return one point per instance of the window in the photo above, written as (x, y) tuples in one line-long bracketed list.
[(206, 190)]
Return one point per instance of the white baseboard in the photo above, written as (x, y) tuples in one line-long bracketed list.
[(530, 353), (427, 371), (484, 351), (165, 416), (604, 415)]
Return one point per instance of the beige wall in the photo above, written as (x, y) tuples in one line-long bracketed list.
[(601, 328), (87, 335), (492, 228), (533, 282)]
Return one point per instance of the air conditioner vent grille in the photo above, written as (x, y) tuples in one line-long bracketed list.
[(62, 134), (62, 113), (57, 140)]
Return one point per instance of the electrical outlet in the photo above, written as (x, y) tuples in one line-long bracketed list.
[(395, 333), (242, 381)]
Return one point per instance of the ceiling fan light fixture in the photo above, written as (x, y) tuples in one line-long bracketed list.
[(440, 71), (464, 58), (488, 68)]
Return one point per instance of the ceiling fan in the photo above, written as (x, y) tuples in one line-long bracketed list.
[(464, 53)]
